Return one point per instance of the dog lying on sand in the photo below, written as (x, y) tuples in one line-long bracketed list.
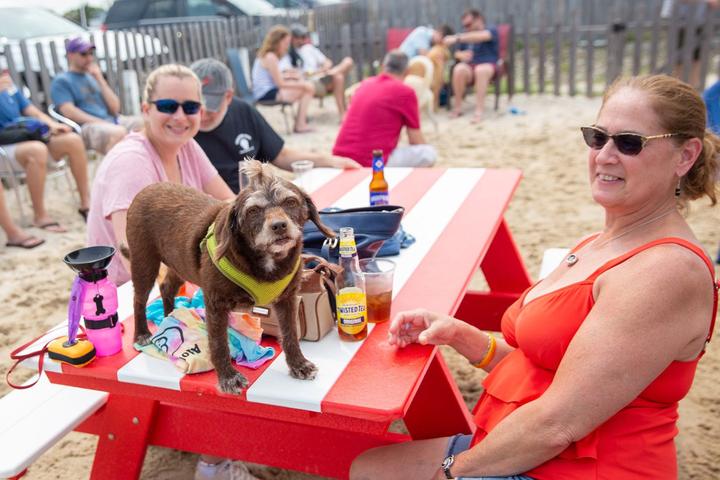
[(242, 253)]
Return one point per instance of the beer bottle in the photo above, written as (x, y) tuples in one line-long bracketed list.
[(378, 185), (351, 300)]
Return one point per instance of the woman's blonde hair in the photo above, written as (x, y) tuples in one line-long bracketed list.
[(170, 70), (272, 40), (680, 110)]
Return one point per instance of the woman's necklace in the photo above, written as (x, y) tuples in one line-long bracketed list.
[(573, 258)]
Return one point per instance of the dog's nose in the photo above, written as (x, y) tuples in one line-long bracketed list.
[(279, 226)]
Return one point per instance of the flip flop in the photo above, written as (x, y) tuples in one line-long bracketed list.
[(454, 114), (52, 226), (28, 242), (84, 213)]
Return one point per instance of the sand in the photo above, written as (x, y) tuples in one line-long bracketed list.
[(551, 208)]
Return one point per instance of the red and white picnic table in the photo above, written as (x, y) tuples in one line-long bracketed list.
[(319, 426)]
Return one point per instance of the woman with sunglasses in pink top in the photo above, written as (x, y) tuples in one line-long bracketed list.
[(586, 380)]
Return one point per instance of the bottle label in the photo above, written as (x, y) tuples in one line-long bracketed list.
[(378, 164), (347, 247), (351, 310), (379, 198)]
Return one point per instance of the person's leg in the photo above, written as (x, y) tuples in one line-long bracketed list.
[(71, 144), (301, 125), (413, 156), (416, 459), (16, 236), (461, 77), (343, 67), (483, 74), (33, 157), (102, 136), (337, 87)]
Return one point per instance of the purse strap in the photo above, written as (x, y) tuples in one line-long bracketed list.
[(40, 353)]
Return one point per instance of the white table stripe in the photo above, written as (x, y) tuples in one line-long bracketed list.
[(359, 196), (316, 178), (275, 386)]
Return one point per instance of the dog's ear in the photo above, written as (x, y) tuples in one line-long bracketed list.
[(314, 216), (226, 229)]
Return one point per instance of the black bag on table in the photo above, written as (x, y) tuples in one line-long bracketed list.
[(372, 226)]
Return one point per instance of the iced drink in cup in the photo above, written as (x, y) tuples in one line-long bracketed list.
[(301, 168), (378, 275)]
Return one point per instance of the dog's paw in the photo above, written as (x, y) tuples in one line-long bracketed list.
[(143, 339), (304, 370), (233, 384)]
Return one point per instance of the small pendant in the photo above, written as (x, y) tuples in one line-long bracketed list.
[(571, 259)]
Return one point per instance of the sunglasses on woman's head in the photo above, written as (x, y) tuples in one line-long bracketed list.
[(170, 106), (626, 143)]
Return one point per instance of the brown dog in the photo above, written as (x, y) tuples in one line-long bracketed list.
[(260, 233)]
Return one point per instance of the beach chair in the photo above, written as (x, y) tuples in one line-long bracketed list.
[(504, 64), (395, 36), (239, 63)]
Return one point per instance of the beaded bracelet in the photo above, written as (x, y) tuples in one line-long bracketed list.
[(492, 344)]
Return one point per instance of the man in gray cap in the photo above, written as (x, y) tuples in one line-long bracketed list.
[(232, 130), (318, 68)]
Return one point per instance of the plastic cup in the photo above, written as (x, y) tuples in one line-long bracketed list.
[(301, 168), (378, 273)]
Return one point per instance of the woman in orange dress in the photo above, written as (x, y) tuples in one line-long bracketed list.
[(595, 357)]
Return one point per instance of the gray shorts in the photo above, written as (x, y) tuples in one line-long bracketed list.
[(14, 165), (459, 443), (97, 134)]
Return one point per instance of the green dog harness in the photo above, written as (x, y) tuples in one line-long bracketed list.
[(263, 293)]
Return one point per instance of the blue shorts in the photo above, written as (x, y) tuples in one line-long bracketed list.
[(270, 95), (459, 443)]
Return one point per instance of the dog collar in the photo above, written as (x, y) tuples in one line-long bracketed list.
[(263, 293)]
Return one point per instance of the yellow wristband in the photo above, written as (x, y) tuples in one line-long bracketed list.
[(492, 345)]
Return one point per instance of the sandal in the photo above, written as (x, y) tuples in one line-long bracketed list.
[(84, 213), (28, 242), (52, 226)]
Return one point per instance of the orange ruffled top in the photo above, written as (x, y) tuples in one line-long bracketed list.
[(637, 442)]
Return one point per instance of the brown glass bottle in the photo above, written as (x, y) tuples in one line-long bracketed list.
[(378, 185)]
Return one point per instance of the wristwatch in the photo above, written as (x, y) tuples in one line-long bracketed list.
[(446, 464)]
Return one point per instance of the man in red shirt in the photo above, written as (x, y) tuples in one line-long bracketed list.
[(380, 108)]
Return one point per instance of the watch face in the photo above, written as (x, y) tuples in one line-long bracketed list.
[(448, 461)]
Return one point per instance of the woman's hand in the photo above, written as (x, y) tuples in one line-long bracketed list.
[(423, 327)]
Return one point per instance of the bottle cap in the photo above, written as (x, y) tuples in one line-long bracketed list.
[(377, 153)]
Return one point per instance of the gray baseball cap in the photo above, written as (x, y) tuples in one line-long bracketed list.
[(299, 30), (215, 78)]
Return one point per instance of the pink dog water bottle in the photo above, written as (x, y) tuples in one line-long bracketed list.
[(97, 298)]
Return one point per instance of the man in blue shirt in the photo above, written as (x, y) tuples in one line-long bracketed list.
[(477, 55), (82, 95)]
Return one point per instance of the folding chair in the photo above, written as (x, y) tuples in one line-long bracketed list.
[(59, 117), (504, 65), (239, 63)]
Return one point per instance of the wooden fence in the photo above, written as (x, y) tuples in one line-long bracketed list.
[(557, 46)]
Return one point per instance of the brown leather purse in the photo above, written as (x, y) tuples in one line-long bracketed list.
[(316, 316)]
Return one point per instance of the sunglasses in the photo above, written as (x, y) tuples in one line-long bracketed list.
[(88, 53), (170, 106), (626, 143)]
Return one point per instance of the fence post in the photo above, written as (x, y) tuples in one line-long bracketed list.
[(575, 18)]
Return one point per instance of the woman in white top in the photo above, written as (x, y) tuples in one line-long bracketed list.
[(270, 84)]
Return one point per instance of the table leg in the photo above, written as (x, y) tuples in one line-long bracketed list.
[(123, 441), (507, 278), (438, 408)]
